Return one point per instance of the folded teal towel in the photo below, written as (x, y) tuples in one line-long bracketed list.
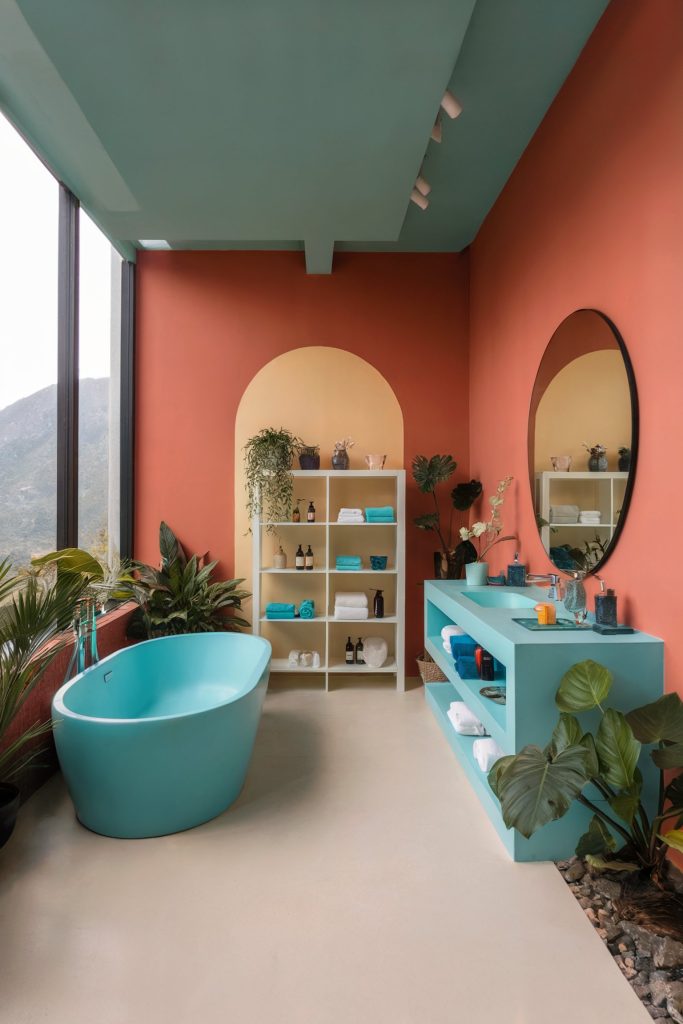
[(307, 610), (348, 559), (279, 606), (280, 615), (349, 568), (382, 511), (380, 519)]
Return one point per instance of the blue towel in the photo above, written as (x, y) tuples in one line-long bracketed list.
[(349, 559), (383, 512), (466, 666), (279, 606), (307, 610), (280, 615), (462, 645)]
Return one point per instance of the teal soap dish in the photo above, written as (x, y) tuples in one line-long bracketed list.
[(535, 625)]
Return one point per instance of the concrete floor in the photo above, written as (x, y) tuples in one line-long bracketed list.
[(355, 880)]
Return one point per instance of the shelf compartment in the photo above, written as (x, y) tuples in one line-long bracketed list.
[(294, 572), (341, 667), (282, 665), (493, 716)]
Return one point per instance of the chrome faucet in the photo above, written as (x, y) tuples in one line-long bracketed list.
[(85, 651), (553, 578)]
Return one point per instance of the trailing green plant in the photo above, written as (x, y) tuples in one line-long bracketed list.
[(268, 458), (429, 474), (182, 596), (33, 610), (537, 786)]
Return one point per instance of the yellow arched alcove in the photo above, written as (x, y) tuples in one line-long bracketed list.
[(321, 394)]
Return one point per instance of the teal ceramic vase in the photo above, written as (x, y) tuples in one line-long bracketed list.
[(476, 574)]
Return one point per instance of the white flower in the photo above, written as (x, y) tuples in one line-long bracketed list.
[(465, 533), (478, 529)]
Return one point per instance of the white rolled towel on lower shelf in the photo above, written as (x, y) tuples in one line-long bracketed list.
[(463, 721), (448, 631), (486, 753)]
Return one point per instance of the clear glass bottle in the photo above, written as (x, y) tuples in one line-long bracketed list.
[(575, 598)]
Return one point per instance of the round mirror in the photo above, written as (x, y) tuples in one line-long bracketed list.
[(583, 441)]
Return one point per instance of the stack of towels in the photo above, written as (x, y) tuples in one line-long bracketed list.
[(486, 753), (350, 515), (463, 721), (560, 514), (591, 517), (383, 514), (349, 563), (447, 632), (278, 610), (351, 606)]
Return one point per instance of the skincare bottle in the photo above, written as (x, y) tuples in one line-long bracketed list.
[(360, 658), (605, 605), (300, 558), (310, 515), (378, 605), (296, 514), (308, 557), (280, 559), (486, 672), (349, 651), (516, 573)]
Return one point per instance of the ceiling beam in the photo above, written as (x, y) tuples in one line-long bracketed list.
[(319, 252)]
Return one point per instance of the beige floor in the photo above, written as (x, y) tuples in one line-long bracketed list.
[(356, 880)]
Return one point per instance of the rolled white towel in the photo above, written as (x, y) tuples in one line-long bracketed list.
[(447, 647), (463, 721), (486, 753), (351, 614), (454, 630), (351, 599)]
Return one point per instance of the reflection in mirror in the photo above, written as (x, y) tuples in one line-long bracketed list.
[(582, 441)]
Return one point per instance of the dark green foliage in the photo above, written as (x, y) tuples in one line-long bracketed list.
[(465, 495), (428, 475), (182, 597), (268, 458)]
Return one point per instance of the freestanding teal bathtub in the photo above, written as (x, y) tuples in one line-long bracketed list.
[(157, 738)]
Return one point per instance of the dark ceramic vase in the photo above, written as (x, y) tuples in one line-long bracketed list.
[(9, 808), (597, 463), (340, 459), (625, 461), (309, 458)]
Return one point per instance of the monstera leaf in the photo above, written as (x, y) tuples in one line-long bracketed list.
[(661, 720), (618, 749), (497, 771), (464, 496), (428, 473), (536, 787), (625, 804), (670, 756), (597, 840), (567, 733), (584, 686)]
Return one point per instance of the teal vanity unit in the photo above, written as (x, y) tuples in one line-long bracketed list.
[(530, 664)]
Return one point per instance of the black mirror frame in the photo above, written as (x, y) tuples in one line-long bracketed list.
[(635, 435)]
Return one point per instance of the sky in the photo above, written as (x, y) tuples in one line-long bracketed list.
[(29, 200)]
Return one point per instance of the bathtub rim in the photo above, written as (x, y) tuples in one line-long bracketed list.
[(59, 707)]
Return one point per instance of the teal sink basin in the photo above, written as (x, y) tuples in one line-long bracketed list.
[(492, 598)]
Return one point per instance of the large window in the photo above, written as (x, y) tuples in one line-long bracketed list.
[(66, 311), (99, 335), (28, 351)]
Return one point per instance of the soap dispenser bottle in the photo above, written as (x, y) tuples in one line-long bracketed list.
[(605, 605), (516, 573), (378, 605)]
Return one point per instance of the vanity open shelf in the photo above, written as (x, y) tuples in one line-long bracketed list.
[(531, 665)]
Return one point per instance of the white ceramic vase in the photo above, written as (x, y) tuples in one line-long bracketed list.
[(476, 574)]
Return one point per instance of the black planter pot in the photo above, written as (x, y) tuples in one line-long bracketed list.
[(9, 808), (309, 459)]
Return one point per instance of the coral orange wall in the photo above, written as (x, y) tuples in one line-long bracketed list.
[(593, 217), (207, 322)]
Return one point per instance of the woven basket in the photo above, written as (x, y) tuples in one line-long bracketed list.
[(429, 670)]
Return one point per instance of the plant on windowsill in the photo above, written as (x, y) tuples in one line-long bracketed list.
[(537, 786), (429, 474), (34, 607), (182, 596), (268, 458)]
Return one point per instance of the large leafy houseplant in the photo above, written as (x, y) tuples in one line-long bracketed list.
[(429, 474), (268, 458), (31, 637), (182, 596), (537, 785)]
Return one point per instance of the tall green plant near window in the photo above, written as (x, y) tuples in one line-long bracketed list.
[(537, 785)]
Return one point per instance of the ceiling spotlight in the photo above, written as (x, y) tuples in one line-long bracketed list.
[(419, 200), (451, 106), (422, 186), (436, 131), (154, 243)]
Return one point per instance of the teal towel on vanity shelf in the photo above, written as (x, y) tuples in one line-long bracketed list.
[(307, 610)]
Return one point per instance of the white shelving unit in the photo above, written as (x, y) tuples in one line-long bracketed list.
[(604, 491), (331, 490)]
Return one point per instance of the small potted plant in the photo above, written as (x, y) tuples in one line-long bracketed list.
[(268, 458), (624, 460), (340, 455), (429, 474), (486, 534), (597, 457), (309, 456)]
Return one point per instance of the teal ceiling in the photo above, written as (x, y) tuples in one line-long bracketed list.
[(263, 124)]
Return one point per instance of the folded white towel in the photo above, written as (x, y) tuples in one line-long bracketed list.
[(351, 599), (564, 510), (464, 721), (351, 512), (451, 631), (486, 753), (350, 613), (591, 512)]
